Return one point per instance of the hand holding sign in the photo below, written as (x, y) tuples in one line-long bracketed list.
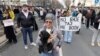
[(8, 22)]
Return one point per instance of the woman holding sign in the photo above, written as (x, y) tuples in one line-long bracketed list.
[(8, 27), (68, 34)]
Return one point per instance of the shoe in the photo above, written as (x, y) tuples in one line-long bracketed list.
[(77, 32), (34, 44), (98, 43), (68, 42), (92, 44), (15, 42), (9, 41), (26, 47)]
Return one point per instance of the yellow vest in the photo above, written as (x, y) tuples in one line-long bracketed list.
[(12, 15)]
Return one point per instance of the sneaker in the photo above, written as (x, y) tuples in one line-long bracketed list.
[(68, 42), (92, 44), (26, 47), (34, 44), (98, 44)]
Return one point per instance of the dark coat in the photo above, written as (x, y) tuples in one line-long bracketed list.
[(96, 23), (1, 15), (25, 22), (35, 28), (9, 32), (16, 11)]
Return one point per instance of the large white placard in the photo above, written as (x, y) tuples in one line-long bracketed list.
[(69, 23), (8, 22)]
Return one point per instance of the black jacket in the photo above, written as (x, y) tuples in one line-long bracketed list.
[(22, 21), (16, 11), (96, 23)]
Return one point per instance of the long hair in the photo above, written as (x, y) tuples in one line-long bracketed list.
[(7, 12)]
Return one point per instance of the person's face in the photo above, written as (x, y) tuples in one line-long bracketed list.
[(68, 13), (5, 14), (25, 9), (48, 23)]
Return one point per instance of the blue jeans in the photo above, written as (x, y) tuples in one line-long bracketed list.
[(46, 54), (25, 32), (68, 36)]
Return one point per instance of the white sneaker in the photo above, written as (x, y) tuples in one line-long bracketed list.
[(98, 44), (34, 44), (92, 44), (26, 47)]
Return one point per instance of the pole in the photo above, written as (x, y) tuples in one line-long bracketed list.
[(84, 2), (73, 2)]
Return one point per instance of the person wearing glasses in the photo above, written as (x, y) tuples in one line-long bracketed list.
[(54, 37)]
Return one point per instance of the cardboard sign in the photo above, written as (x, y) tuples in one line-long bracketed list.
[(8, 22), (69, 23)]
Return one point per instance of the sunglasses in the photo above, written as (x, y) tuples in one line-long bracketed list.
[(48, 22)]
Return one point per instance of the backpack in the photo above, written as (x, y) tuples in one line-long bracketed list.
[(75, 13)]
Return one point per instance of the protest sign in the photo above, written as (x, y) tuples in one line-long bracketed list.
[(8, 22), (69, 23)]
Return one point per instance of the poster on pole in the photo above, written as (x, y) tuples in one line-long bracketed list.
[(8, 22), (69, 23)]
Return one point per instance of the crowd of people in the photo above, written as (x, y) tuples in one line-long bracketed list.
[(49, 39)]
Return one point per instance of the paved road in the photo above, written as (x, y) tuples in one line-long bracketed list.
[(80, 46)]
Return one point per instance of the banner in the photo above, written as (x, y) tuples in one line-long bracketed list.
[(69, 23), (8, 22)]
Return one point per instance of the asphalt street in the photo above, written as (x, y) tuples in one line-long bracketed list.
[(80, 46)]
